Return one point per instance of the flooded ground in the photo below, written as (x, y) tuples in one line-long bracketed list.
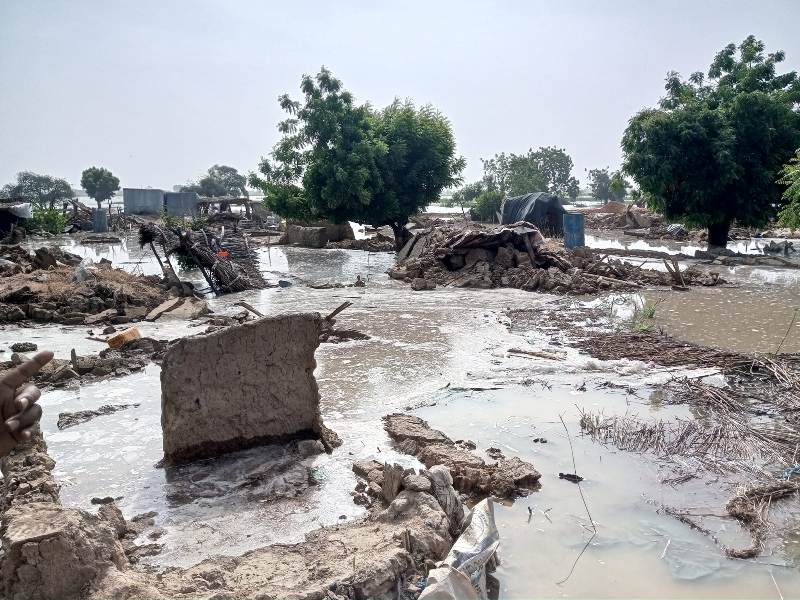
[(444, 354)]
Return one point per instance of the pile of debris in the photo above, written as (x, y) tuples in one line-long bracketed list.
[(51, 286), (80, 219), (227, 262), (471, 255)]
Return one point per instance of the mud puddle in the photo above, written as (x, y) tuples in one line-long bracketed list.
[(637, 552)]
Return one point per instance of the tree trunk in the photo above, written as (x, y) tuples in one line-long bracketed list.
[(718, 234), (401, 235)]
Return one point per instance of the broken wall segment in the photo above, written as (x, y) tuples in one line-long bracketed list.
[(316, 235), (508, 478), (242, 387)]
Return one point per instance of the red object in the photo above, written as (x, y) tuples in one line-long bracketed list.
[(223, 253)]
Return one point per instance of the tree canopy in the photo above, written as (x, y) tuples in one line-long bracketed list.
[(43, 191), (220, 181), (712, 151), (341, 161), (618, 186), (599, 182), (465, 196), (547, 169), (790, 177), (99, 184)]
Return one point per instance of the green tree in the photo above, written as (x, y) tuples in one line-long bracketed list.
[(556, 167), (487, 205), (346, 162), (599, 182), (220, 181), (618, 186), (546, 169), (465, 196), (43, 191), (790, 177), (711, 153), (99, 184)]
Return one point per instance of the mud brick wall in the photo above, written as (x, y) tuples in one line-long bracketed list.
[(241, 387)]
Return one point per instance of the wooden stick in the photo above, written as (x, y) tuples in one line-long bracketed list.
[(249, 307), (339, 309)]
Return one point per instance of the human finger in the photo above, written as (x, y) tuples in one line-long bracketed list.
[(15, 377), (21, 422), (27, 397)]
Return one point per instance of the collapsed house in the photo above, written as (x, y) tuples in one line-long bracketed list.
[(227, 262), (541, 209), (516, 255), (51, 285)]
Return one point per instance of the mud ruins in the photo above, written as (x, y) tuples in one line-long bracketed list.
[(233, 414)]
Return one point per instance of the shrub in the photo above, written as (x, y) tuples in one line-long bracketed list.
[(487, 205), (51, 220)]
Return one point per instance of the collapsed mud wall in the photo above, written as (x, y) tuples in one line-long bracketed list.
[(317, 235), (241, 387), (49, 552)]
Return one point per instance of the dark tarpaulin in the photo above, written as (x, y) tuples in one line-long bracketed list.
[(540, 208)]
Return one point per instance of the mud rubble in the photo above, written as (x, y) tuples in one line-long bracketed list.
[(56, 553), (377, 243), (133, 356), (50, 285), (469, 255), (70, 419), (506, 478)]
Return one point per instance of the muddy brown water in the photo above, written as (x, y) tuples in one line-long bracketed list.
[(444, 354)]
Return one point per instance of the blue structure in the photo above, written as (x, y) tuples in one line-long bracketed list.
[(573, 230), (181, 204)]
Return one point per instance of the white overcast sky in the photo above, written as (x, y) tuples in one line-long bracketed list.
[(158, 91)]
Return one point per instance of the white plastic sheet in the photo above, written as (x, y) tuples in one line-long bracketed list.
[(462, 574)]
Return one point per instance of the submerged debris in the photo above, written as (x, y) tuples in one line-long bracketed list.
[(508, 478), (70, 419), (469, 255)]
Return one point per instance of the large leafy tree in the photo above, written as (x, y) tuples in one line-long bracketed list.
[(99, 184), (43, 191), (790, 177), (341, 161), (220, 181), (712, 151), (546, 169), (599, 182)]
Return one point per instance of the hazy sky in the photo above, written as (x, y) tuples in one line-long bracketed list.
[(158, 91)]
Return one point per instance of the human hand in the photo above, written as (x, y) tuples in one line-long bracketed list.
[(18, 409)]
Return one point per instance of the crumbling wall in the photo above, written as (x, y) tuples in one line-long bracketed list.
[(241, 387), (49, 552), (316, 235)]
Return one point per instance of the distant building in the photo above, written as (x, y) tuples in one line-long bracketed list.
[(138, 201)]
